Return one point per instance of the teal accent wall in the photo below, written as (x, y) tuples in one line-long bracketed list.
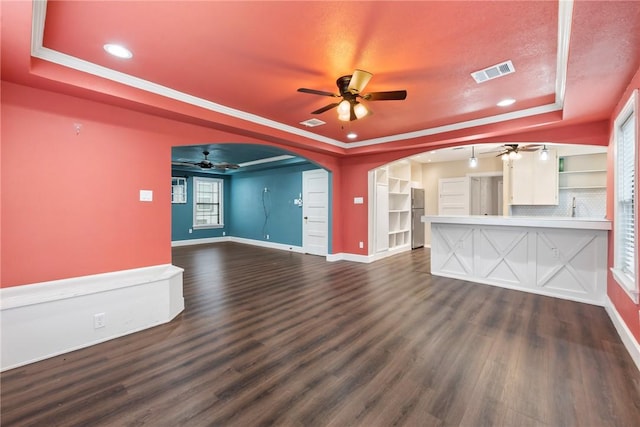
[(246, 205), (257, 213), (182, 213)]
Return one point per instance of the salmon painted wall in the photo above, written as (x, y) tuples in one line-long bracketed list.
[(629, 311), (70, 202)]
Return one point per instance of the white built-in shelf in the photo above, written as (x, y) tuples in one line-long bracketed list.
[(585, 171), (399, 231), (397, 178)]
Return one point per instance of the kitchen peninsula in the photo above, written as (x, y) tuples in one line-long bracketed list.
[(562, 257)]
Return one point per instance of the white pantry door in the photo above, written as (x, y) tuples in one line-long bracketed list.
[(315, 211), (453, 196)]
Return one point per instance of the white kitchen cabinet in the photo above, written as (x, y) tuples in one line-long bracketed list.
[(533, 181)]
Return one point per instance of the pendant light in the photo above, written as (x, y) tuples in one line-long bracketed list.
[(544, 153), (473, 161)]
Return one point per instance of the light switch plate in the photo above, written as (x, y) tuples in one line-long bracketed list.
[(358, 200), (146, 195)]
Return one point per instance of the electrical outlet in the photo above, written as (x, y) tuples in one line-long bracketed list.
[(190, 230), (554, 253), (224, 233), (267, 237), (99, 321), (361, 245)]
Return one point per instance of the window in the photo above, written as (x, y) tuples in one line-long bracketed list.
[(625, 251), (207, 203), (178, 190)]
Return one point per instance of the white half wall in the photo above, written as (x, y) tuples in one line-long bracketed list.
[(43, 320), (559, 262)]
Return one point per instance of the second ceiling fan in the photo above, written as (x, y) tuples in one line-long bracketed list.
[(350, 88)]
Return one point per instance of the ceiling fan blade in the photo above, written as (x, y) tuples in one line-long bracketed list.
[(317, 92), (359, 80), (183, 164), (392, 95), (326, 108), (534, 147)]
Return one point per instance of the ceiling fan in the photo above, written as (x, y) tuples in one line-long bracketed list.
[(510, 151), (350, 88), (208, 164)]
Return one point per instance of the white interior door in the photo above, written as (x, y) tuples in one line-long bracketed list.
[(315, 211), (453, 196)]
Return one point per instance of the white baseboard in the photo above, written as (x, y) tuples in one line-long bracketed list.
[(262, 243), (341, 256), (272, 245), (626, 336), (367, 258), (43, 320), (190, 242)]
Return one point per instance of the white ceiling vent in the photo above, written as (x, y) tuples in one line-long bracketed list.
[(493, 72), (313, 123)]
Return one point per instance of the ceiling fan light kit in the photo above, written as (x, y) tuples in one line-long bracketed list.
[(512, 151), (350, 88)]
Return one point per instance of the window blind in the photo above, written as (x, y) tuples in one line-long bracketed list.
[(625, 218)]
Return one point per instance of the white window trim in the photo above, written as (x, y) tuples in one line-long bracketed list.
[(178, 190), (626, 283), (221, 196)]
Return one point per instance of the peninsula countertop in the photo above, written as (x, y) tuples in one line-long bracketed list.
[(522, 221)]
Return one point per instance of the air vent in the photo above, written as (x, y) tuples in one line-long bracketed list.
[(493, 72), (313, 123)]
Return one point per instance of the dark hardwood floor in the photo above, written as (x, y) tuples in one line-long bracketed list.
[(276, 338)]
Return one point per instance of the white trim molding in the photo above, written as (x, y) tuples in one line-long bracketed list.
[(43, 320), (626, 336), (271, 245), (342, 256), (242, 240), (203, 241)]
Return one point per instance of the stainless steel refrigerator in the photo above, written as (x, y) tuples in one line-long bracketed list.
[(417, 210)]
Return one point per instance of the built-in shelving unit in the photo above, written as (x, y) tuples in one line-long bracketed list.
[(393, 206), (584, 172), (399, 204)]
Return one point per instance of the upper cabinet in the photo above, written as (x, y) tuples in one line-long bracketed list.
[(533, 181)]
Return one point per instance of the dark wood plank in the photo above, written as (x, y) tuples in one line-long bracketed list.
[(277, 338)]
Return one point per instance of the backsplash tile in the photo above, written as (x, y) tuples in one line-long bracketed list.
[(590, 203)]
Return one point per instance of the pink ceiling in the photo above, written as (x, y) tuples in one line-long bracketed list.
[(252, 56)]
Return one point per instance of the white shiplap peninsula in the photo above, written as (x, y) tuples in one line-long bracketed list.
[(554, 256)]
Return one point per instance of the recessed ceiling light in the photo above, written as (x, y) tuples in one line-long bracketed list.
[(506, 102), (118, 51), (352, 135)]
